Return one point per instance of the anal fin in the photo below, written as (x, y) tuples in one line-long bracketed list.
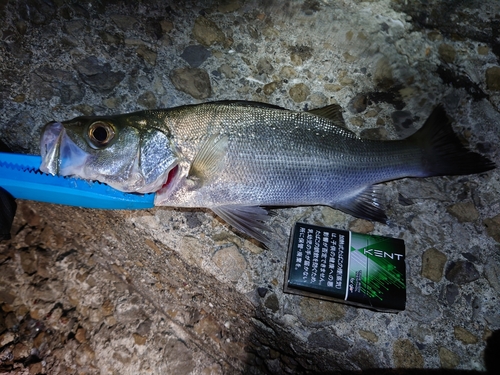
[(365, 205), (247, 219)]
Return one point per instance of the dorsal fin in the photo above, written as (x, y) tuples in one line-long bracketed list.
[(332, 112), (246, 103)]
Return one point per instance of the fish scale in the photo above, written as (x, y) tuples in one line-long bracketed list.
[(293, 167), (235, 157)]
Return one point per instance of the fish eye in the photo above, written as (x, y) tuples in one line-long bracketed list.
[(100, 134)]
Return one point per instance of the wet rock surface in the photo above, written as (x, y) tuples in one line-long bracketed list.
[(170, 291)]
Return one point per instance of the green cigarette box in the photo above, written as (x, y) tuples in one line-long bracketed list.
[(354, 268)]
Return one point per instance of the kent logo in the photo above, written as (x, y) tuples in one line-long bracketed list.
[(383, 254)]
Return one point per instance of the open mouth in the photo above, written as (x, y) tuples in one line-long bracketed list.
[(171, 175)]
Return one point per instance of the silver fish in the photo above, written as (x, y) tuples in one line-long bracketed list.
[(237, 157)]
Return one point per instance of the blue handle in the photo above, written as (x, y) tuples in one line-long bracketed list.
[(20, 176)]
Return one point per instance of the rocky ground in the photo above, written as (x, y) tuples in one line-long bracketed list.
[(169, 291)]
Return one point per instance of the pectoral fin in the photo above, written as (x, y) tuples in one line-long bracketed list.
[(209, 160), (247, 219), (366, 205)]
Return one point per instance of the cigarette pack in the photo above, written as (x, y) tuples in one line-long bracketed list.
[(354, 268)]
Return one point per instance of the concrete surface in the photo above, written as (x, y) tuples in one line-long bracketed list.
[(169, 291)]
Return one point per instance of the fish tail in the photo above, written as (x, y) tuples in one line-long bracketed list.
[(442, 151)]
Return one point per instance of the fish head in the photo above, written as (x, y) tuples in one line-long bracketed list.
[(129, 152)]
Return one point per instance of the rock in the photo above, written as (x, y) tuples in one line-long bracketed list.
[(179, 357), (262, 292), (463, 211), (74, 27), (231, 262), (85, 355), (383, 75), (493, 78), (357, 121), (111, 39), (6, 297), (450, 293), (483, 50), (9, 321), (81, 335), (272, 303), (147, 54), (139, 340), (492, 273), (28, 261), (493, 227), (315, 310), (318, 100), (447, 53), (207, 325), (123, 22), (402, 120), (299, 92), (462, 272), (36, 368), (44, 264), (368, 335), (406, 355), (433, 262), (206, 32), (299, 54), (20, 351), (264, 66), (420, 307), (227, 71), (97, 75), (287, 72), (361, 226), (358, 103), (434, 35), (326, 339), (348, 57), (195, 55), (229, 6), (49, 82), (7, 338), (447, 358), (166, 26), (375, 134), (332, 87), (465, 336), (192, 81), (347, 81), (270, 88), (147, 100)]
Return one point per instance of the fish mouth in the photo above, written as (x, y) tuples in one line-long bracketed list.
[(60, 155), (171, 176)]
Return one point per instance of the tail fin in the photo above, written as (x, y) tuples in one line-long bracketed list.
[(443, 153)]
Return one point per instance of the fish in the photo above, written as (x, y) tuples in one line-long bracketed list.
[(239, 158)]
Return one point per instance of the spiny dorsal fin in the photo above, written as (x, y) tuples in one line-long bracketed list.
[(332, 112), (209, 160), (247, 219)]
